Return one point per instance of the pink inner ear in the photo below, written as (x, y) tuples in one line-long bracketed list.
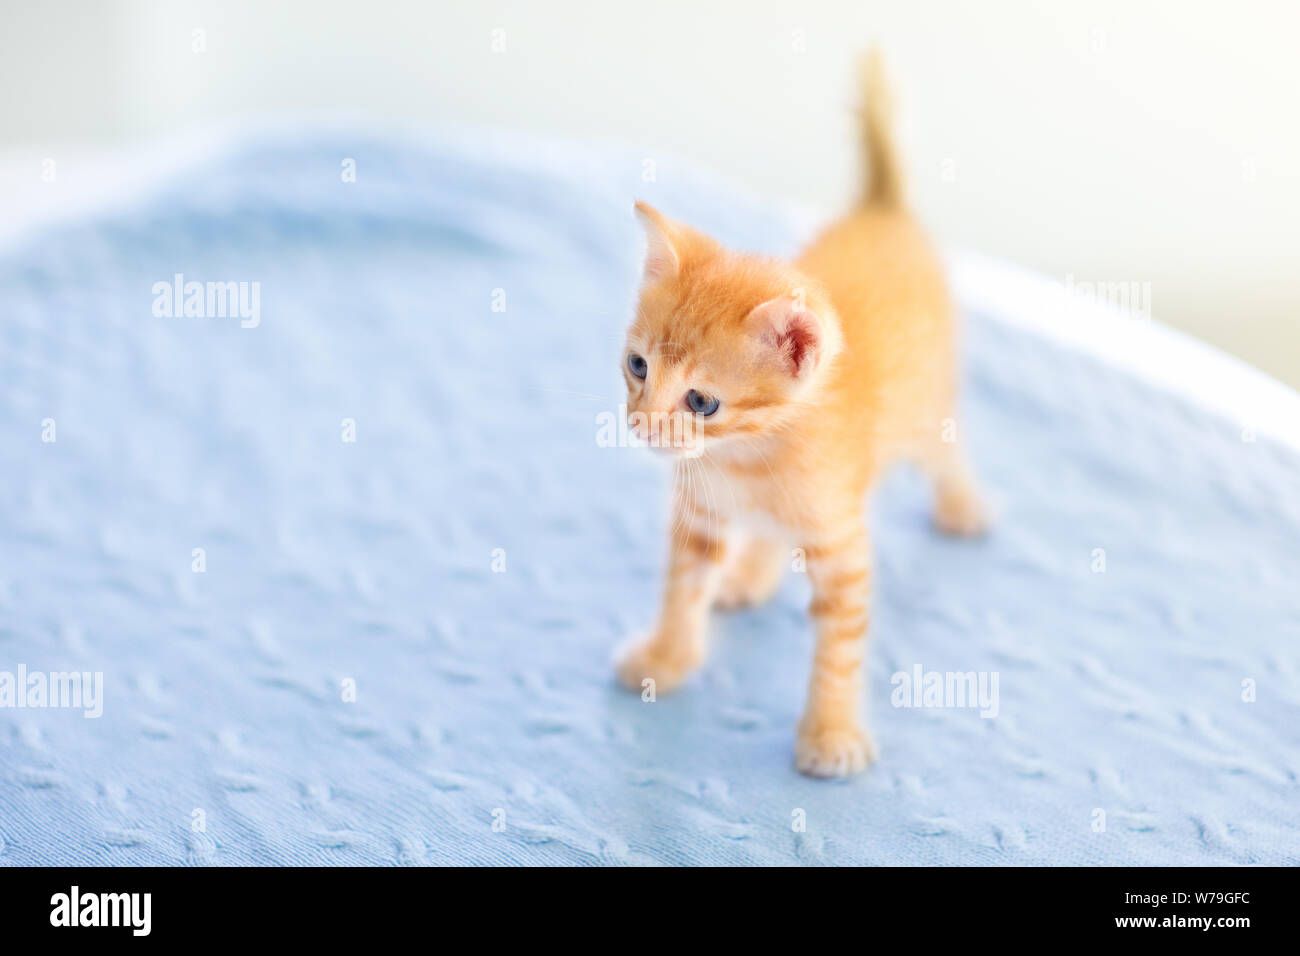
[(791, 331), (661, 259), (799, 343)]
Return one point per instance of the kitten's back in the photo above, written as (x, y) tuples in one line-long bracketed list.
[(886, 281)]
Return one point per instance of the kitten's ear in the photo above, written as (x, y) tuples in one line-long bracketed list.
[(792, 335), (662, 260)]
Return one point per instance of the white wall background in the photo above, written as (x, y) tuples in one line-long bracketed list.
[(1099, 139)]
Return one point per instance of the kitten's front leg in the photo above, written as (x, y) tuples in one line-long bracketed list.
[(676, 646), (832, 741)]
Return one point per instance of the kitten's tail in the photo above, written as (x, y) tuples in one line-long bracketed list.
[(884, 172)]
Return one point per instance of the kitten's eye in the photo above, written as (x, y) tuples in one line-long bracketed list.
[(701, 404), (637, 365)]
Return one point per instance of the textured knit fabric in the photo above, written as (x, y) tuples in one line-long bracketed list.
[(398, 649)]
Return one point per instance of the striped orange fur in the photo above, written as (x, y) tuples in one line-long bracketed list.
[(825, 371)]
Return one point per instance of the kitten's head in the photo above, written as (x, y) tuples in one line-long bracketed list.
[(725, 347)]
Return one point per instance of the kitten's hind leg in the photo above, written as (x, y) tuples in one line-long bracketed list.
[(959, 508), (753, 573)]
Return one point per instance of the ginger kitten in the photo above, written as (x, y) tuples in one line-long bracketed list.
[(785, 390)]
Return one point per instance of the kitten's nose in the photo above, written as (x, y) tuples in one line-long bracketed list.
[(636, 421), (647, 425), (644, 429)]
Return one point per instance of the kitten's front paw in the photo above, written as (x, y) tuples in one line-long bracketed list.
[(652, 660), (833, 751)]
